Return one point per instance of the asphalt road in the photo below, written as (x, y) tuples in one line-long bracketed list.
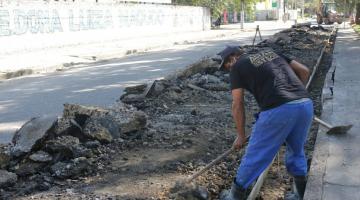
[(99, 84)]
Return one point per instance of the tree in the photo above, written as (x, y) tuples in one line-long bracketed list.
[(357, 18), (311, 6), (348, 7), (218, 6)]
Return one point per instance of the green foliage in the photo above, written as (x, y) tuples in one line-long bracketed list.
[(357, 28), (218, 6), (347, 6)]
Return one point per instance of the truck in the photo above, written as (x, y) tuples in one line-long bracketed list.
[(326, 13)]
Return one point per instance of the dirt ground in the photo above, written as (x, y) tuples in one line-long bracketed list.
[(189, 124)]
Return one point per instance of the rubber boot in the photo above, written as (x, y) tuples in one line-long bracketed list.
[(235, 193), (300, 185), (298, 189)]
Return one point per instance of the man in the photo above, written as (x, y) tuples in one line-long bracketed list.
[(277, 83)]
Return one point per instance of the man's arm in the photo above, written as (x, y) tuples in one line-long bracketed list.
[(300, 70), (238, 113)]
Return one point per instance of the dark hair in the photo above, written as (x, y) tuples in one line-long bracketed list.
[(239, 53)]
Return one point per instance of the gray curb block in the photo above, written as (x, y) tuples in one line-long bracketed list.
[(315, 184)]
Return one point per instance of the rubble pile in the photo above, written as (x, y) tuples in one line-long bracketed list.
[(187, 111), (47, 148)]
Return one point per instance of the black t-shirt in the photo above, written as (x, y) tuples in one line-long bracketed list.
[(268, 77)]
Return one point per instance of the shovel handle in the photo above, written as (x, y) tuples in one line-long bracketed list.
[(208, 166), (323, 123)]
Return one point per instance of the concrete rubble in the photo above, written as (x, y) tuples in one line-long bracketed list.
[(7, 178), (30, 134), (64, 147), (4, 156), (186, 109)]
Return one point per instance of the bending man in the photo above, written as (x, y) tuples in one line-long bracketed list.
[(277, 83)]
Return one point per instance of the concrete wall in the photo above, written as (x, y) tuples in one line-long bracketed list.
[(261, 15), (31, 26)]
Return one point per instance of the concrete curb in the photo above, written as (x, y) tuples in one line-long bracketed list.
[(315, 184)]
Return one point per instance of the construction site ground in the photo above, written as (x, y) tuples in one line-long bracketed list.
[(101, 81), (189, 123)]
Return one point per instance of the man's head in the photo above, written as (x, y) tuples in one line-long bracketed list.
[(229, 56)]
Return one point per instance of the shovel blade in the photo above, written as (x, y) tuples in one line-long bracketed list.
[(339, 130)]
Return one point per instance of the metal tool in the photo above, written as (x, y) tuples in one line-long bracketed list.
[(257, 31), (334, 129)]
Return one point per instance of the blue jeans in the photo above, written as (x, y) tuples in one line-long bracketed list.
[(287, 123)]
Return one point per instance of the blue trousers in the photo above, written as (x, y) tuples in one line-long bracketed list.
[(287, 123)]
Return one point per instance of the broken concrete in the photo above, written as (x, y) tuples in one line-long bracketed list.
[(66, 147), (131, 98), (156, 88), (205, 65), (40, 156), (106, 124), (27, 167), (136, 122), (190, 191), (68, 126), (80, 112), (100, 129), (72, 168), (4, 156), (7, 179), (137, 89), (31, 133), (138, 93)]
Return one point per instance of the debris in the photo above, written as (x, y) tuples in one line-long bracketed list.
[(40, 156), (72, 168), (4, 156), (156, 88), (31, 133), (80, 112), (137, 89), (98, 128), (195, 87), (7, 179), (92, 144), (189, 191), (136, 121), (28, 167)]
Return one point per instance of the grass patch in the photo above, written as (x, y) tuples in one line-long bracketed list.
[(356, 28)]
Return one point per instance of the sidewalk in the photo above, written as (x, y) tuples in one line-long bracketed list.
[(335, 168), (48, 60)]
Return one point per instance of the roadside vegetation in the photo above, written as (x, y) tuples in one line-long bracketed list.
[(356, 28)]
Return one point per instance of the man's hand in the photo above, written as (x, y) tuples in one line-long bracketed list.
[(239, 142)]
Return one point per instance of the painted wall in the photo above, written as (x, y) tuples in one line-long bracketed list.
[(31, 26)]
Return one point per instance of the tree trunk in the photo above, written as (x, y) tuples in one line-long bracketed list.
[(357, 18), (242, 15)]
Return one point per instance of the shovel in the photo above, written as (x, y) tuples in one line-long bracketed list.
[(335, 130)]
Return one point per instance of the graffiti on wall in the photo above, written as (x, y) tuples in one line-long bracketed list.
[(45, 21), (18, 22)]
